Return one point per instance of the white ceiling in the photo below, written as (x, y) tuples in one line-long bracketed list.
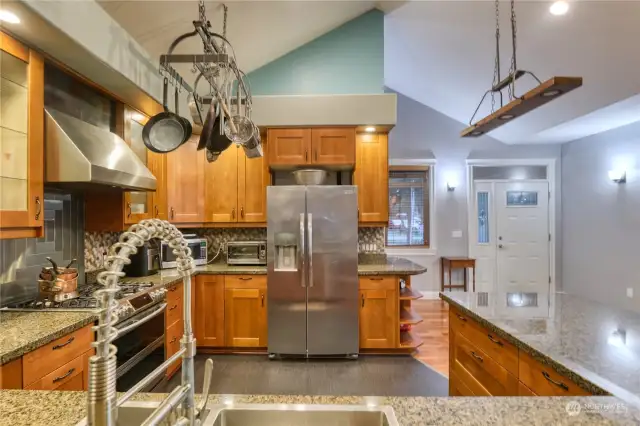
[(441, 54)]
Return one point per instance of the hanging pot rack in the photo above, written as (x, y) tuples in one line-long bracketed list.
[(543, 93)]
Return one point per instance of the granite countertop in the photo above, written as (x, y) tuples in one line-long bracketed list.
[(571, 334), (44, 408), (22, 332)]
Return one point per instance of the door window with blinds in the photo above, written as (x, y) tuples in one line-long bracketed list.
[(408, 206)]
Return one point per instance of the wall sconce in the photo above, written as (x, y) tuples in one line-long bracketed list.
[(618, 338), (451, 186), (618, 176)]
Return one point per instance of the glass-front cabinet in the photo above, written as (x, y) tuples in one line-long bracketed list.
[(21, 139), (138, 205)]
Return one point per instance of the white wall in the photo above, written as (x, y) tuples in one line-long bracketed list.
[(423, 133), (600, 218)]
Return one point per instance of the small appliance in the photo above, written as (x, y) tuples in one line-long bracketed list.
[(247, 253), (144, 263), (198, 248)]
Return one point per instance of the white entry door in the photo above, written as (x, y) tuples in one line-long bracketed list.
[(522, 237)]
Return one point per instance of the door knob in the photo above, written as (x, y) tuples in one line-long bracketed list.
[(500, 246)]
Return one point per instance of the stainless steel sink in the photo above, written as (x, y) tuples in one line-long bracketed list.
[(303, 415), (133, 413)]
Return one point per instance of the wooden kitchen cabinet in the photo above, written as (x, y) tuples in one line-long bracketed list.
[(209, 295), (379, 304), (185, 183), (333, 146), (11, 375), (544, 381), (289, 147), (21, 140), (245, 310), (236, 188), (72, 376), (371, 176), (157, 163)]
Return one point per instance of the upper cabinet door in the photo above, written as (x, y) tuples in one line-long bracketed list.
[(137, 205), (21, 139), (158, 166), (289, 147), (333, 146), (253, 179), (372, 178), (185, 189), (221, 190)]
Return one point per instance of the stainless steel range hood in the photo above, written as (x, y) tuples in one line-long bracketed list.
[(80, 153)]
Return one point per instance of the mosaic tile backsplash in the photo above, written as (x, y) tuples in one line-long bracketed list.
[(370, 241)]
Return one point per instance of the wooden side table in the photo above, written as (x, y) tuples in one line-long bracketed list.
[(451, 263)]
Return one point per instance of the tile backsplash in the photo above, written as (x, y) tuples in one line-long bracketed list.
[(370, 240)]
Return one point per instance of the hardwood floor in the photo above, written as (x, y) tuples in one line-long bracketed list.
[(434, 331)]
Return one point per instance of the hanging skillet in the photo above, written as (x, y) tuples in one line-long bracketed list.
[(211, 137), (166, 131)]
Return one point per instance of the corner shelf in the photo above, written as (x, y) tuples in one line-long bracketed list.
[(408, 294), (407, 316), (408, 340)]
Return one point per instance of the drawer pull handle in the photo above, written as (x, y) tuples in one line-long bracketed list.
[(245, 278), (173, 307), (173, 288), (173, 340), (262, 300), (64, 376), (62, 345), (461, 318), (376, 279), (476, 356), (559, 384), (497, 342), (363, 300)]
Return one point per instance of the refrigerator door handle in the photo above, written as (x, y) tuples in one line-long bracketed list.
[(302, 250), (310, 239)]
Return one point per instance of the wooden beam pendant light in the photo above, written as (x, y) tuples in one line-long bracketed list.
[(518, 106)]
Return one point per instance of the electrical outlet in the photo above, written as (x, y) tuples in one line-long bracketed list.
[(630, 292)]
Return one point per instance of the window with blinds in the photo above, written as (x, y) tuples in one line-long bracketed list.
[(408, 206)]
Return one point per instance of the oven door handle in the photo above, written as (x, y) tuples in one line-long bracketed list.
[(155, 313)]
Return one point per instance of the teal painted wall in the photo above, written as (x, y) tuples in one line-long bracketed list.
[(347, 60)]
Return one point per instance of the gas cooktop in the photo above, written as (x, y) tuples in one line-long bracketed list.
[(131, 298)]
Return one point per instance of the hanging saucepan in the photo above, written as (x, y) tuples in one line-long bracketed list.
[(210, 136), (166, 131)]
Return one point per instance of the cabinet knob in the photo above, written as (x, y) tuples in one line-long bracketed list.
[(172, 213), (362, 300), (38, 208), (242, 212), (233, 213), (306, 155), (262, 300), (128, 209), (157, 211)]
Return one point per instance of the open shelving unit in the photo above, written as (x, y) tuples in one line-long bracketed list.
[(407, 316)]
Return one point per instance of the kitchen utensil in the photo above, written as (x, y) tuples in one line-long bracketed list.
[(310, 176), (71, 263), (166, 131), (53, 263), (207, 127), (253, 147), (186, 124), (244, 129), (214, 141), (65, 275)]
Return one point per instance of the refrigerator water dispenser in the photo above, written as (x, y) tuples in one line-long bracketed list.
[(286, 251)]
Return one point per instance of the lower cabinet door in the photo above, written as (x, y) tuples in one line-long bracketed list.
[(378, 318), (72, 376), (246, 314), (209, 311), (172, 345)]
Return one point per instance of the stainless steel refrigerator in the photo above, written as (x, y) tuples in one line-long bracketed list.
[(312, 263)]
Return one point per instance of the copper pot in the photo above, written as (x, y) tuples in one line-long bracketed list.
[(65, 274), (58, 290)]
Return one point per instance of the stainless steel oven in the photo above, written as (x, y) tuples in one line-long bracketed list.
[(247, 253), (141, 347)]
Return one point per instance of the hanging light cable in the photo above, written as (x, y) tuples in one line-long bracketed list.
[(518, 106)]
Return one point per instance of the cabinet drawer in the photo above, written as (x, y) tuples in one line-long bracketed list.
[(69, 376), (503, 352), (491, 375), (524, 390), (174, 311), (378, 283), (46, 359), (172, 345), (245, 281), (457, 387), (174, 294), (544, 381)]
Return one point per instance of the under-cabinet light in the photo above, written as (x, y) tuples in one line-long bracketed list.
[(9, 17)]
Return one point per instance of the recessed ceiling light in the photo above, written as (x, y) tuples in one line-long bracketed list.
[(506, 116), (370, 129), (476, 133), (559, 7), (9, 17)]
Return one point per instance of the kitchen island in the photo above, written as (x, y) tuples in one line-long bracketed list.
[(561, 345), (44, 408)]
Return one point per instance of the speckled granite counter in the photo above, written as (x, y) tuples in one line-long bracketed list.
[(22, 332), (571, 334), (67, 408)]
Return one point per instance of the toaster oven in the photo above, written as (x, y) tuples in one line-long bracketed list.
[(247, 253)]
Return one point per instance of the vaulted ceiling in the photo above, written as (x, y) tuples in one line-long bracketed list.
[(441, 53)]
